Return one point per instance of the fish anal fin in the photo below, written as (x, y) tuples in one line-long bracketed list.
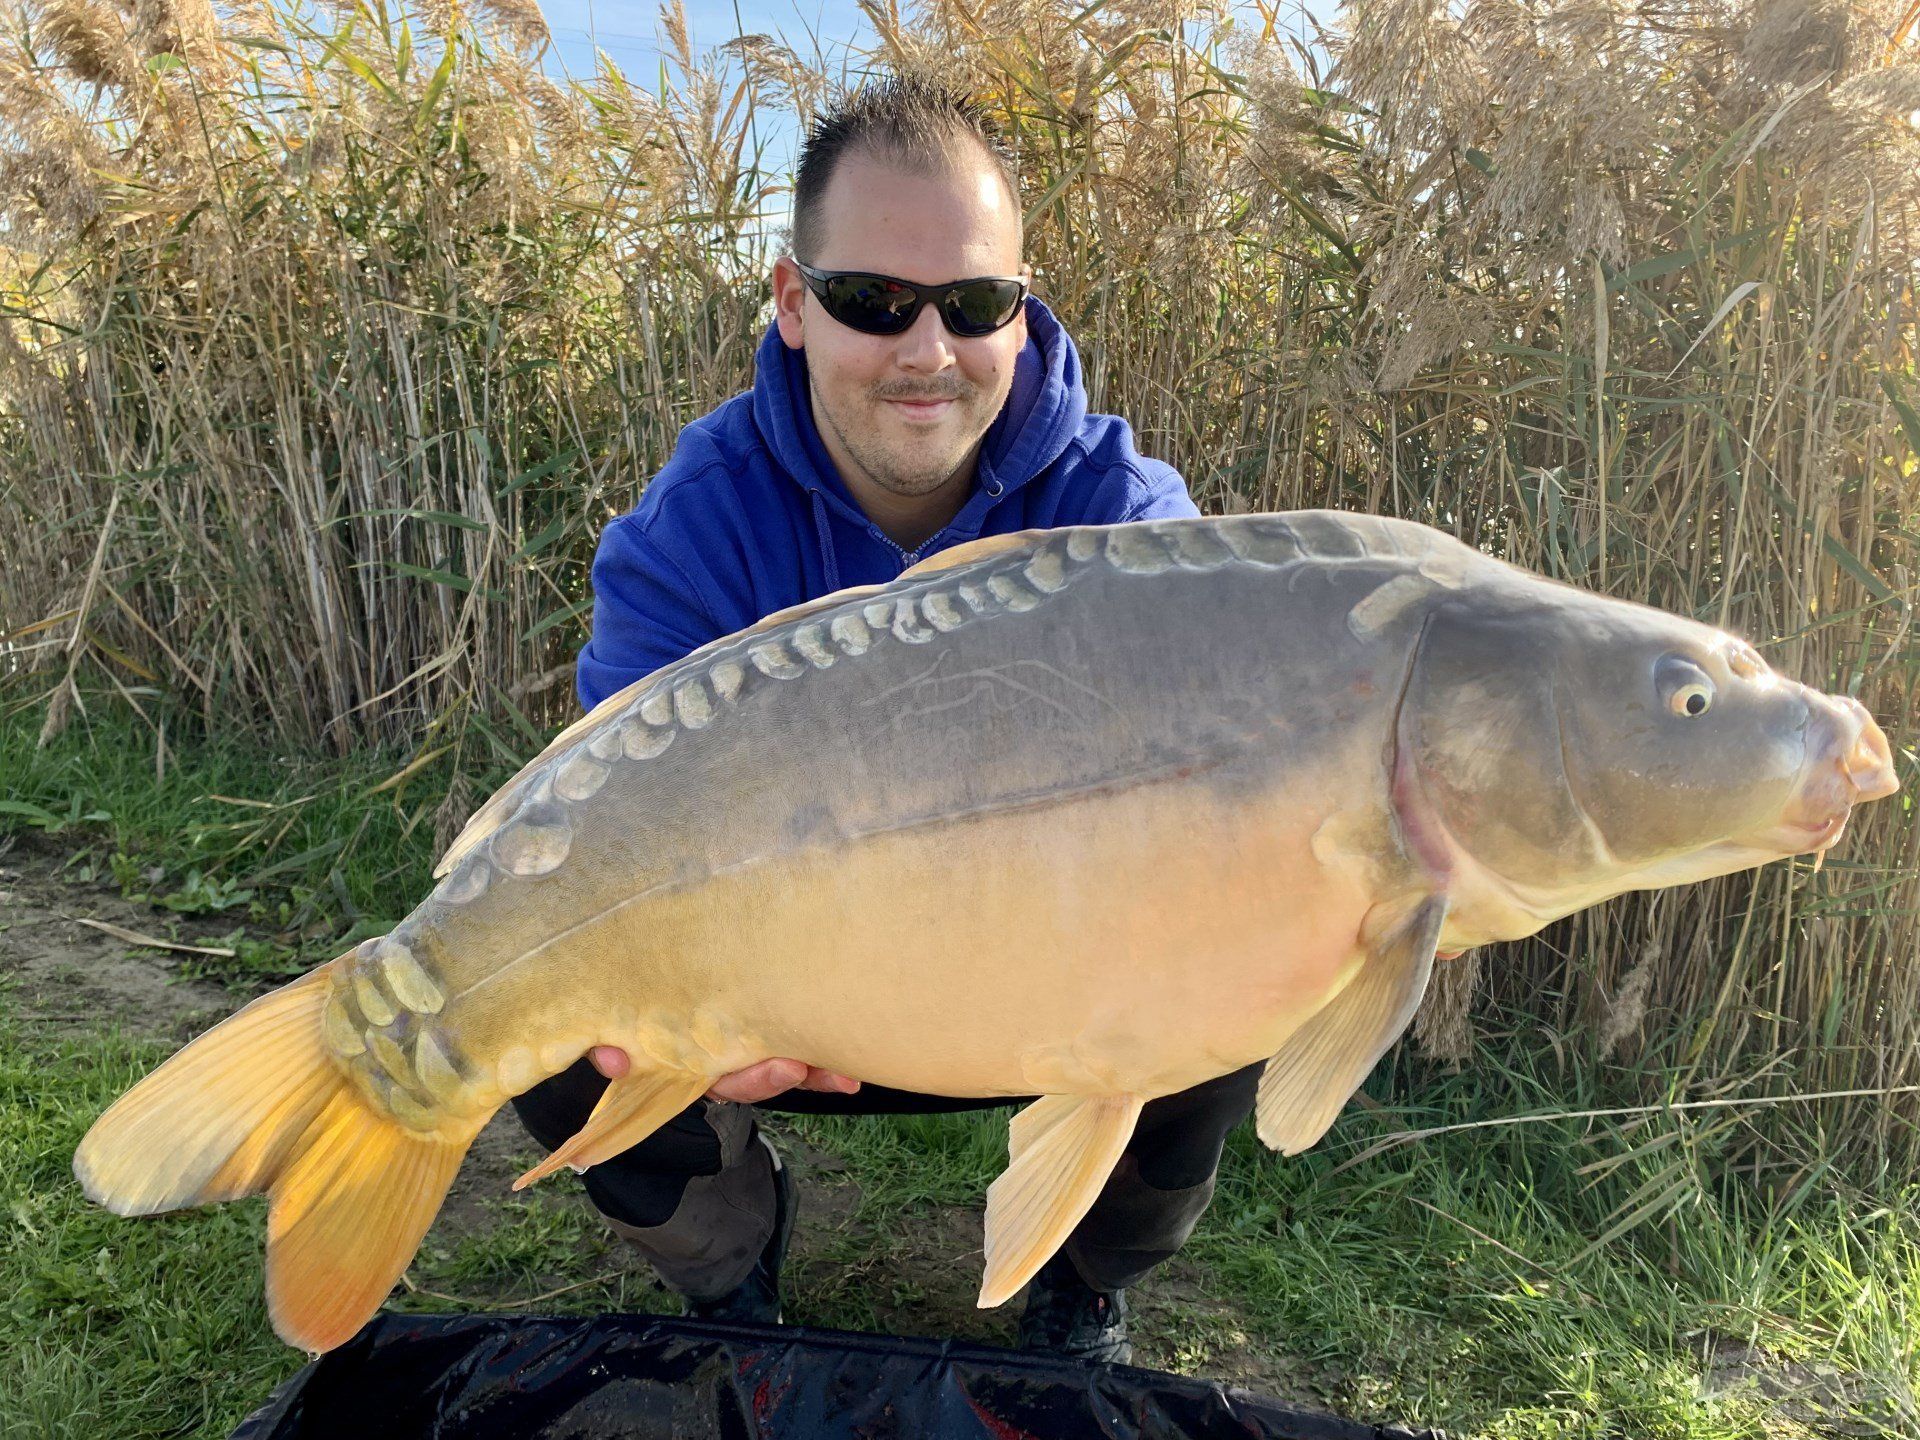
[(632, 1108), (1061, 1148), (1310, 1079)]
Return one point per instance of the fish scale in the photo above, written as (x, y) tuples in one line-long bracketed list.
[(1097, 814)]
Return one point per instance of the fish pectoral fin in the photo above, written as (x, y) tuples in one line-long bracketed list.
[(633, 1107), (1313, 1075), (1062, 1148)]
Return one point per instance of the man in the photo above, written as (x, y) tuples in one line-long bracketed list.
[(890, 418)]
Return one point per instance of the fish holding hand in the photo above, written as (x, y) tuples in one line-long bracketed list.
[(1093, 814)]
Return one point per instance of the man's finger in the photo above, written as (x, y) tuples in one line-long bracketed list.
[(828, 1081), (610, 1060), (758, 1082)]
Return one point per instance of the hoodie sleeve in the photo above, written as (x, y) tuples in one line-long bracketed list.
[(646, 613), (1165, 494)]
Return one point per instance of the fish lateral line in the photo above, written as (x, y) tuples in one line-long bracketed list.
[(1168, 773)]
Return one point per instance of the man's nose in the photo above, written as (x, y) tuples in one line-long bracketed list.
[(926, 346)]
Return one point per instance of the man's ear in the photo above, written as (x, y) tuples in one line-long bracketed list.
[(789, 307)]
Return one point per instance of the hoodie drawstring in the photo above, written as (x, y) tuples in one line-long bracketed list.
[(825, 530)]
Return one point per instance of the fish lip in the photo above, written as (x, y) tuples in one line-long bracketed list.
[(1868, 759), (1847, 763), (1802, 837)]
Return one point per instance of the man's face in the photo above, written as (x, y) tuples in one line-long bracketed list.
[(926, 226)]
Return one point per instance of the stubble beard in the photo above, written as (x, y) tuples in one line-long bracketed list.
[(909, 476)]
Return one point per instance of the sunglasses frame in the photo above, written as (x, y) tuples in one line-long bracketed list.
[(923, 295)]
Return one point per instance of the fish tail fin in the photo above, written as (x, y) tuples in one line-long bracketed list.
[(258, 1105), (348, 1213)]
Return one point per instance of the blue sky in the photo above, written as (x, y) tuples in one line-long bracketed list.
[(628, 27), (628, 31)]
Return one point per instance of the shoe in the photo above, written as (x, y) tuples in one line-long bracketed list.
[(1069, 1317), (756, 1299)]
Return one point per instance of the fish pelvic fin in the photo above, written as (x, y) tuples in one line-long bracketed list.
[(632, 1108), (1062, 1148), (255, 1106), (1311, 1077)]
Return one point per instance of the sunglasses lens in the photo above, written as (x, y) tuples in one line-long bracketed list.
[(982, 306), (869, 303)]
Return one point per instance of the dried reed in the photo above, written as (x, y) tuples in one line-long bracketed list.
[(364, 334)]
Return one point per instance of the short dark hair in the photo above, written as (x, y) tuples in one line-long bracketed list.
[(906, 119)]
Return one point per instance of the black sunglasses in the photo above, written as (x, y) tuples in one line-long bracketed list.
[(882, 305)]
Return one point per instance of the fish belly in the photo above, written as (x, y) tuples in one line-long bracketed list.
[(1139, 941)]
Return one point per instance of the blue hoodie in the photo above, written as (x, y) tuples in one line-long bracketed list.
[(750, 516)]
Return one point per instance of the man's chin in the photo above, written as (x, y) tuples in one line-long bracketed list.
[(910, 487), (909, 471)]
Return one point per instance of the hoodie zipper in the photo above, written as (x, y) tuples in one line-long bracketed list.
[(908, 558)]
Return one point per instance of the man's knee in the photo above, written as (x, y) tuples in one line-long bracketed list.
[(1133, 1226), (1179, 1138), (713, 1235)]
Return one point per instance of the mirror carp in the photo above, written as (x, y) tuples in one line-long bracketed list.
[(1093, 814)]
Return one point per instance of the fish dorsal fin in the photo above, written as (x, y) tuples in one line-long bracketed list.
[(484, 821), (798, 612), (975, 550), (1312, 1076), (632, 1108), (1061, 1148), (1261, 539)]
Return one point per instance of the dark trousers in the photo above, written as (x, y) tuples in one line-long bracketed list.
[(697, 1195)]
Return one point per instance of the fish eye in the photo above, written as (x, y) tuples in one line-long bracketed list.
[(1685, 688), (1691, 699)]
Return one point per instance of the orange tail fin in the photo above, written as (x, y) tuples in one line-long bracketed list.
[(257, 1105)]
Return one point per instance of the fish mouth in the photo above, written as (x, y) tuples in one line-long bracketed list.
[(1794, 836), (1855, 766)]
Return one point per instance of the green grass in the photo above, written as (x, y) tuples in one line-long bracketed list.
[(1562, 1278), (1466, 1280), (111, 1326), (308, 846), (1373, 1273)]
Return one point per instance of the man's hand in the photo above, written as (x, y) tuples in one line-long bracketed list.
[(747, 1087)]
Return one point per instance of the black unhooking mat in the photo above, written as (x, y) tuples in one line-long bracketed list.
[(641, 1377)]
